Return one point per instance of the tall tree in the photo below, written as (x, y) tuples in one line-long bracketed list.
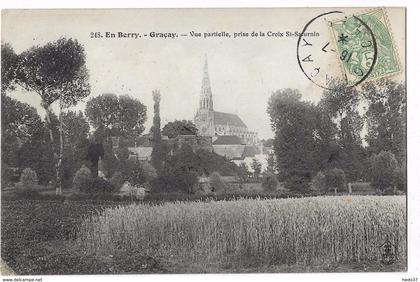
[(9, 64), (20, 125), (341, 103), (36, 153), (76, 142), (157, 153), (302, 136), (132, 117), (386, 117), (120, 116), (179, 127), (56, 72)]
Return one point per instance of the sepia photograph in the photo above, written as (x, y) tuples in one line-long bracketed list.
[(213, 140)]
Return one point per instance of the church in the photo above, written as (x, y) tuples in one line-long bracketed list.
[(215, 124)]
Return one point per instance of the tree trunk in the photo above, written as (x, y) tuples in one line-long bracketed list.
[(55, 156), (59, 187)]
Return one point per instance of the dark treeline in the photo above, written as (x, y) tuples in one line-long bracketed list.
[(327, 137)]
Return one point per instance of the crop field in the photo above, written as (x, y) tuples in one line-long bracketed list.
[(304, 231)]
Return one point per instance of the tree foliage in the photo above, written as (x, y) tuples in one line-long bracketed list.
[(256, 167), (304, 137), (318, 182), (386, 117), (217, 184), (9, 66), (383, 170), (340, 102), (81, 178), (112, 115), (28, 178), (179, 127), (25, 140), (76, 144), (56, 72), (20, 123), (179, 173), (158, 151), (269, 182), (335, 180)]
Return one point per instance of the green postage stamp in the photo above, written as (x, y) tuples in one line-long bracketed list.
[(365, 46)]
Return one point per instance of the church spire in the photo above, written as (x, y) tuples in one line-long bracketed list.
[(206, 99)]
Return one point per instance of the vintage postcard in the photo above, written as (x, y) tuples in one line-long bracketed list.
[(228, 140)]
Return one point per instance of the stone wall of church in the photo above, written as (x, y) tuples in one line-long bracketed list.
[(248, 137)]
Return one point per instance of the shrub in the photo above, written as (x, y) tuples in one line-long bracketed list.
[(98, 185), (29, 194), (81, 178), (117, 180), (297, 183), (335, 180), (270, 182), (382, 170), (256, 167), (401, 179), (28, 178), (176, 177), (318, 182), (216, 183), (149, 172)]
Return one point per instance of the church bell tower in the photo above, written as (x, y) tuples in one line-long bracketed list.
[(204, 118)]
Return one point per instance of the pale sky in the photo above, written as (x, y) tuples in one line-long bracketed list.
[(243, 71)]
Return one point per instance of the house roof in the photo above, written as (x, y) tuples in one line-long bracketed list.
[(141, 152), (231, 152), (228, 118), (228, 140)]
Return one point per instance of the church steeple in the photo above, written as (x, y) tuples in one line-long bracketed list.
[(206, 99)]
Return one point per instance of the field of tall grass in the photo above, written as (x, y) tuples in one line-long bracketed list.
[(316, 230)]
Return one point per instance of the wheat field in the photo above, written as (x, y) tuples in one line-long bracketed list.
[(300, 230)]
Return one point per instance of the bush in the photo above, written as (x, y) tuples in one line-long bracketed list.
[(29, 194), (117, 180), (297, 183), (149, 172), (335, 180), (216, 182), (81, 178), (28, 178), (98, 185), (401, 179), (383, 167), (270, 182), (318, 182), (388, 191)]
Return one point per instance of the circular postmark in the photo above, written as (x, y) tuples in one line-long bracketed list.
[(343, 49)]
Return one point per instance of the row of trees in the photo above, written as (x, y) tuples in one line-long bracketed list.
[(57, 73), (57, 146), (320, 137)]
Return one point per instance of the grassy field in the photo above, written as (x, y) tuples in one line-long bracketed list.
[(318, 234), (299, 231)]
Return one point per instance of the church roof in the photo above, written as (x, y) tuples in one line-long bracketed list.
[(228, 140), (228, 118)]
